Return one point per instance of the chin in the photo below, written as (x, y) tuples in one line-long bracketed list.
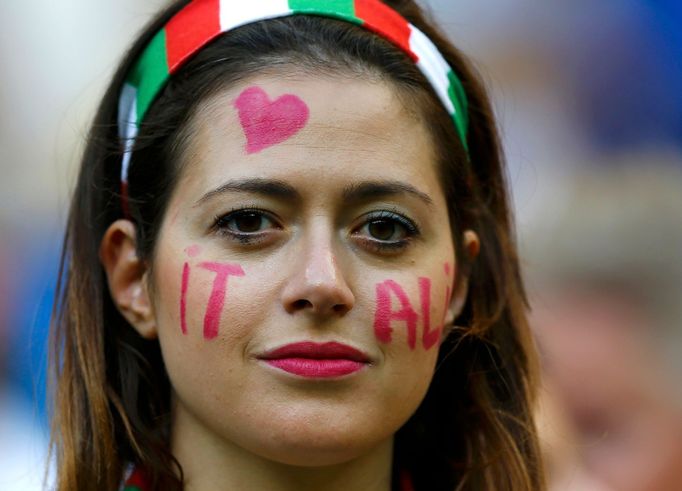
[(314, 443), (316, 454)]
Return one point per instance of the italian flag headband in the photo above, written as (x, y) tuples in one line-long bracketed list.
[(202, 20)]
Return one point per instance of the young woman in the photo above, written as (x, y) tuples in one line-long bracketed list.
[(289, 263)]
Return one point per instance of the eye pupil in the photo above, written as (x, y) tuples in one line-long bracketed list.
[(248, 222), (381, 229)]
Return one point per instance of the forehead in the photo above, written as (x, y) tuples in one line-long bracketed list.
[(345, 128)]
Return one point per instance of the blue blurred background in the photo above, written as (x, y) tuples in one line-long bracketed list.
[(585, 92)]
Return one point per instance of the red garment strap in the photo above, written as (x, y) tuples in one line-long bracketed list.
[(138, 481)]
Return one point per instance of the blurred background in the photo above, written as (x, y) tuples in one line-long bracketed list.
[(589, 100)]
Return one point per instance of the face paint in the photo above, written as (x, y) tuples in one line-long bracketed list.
[(430, 337), (266, 123), (193, 250), (217, 299), (384, 314), (183, 298)]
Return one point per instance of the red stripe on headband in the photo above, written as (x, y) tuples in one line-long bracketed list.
[(191, 28), (385, 21)]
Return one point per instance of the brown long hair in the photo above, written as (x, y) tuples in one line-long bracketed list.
[(474, 429)]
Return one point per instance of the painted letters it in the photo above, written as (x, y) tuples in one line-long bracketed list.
[(217, 299), (183, 298)]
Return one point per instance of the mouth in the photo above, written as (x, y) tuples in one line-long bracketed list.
[(317, 360)]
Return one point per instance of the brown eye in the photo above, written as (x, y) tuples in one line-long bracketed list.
[(248, 222), (245, 222), (385, 230)]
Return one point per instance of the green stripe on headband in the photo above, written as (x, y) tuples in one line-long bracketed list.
[(150, 73), (344, 8), (459, 100)]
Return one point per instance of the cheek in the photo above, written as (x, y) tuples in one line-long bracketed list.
[(207, 301), (412, 310), (408, 313), (206, 319)]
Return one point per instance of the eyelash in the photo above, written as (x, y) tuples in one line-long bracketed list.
[(411, 230), (220, 224)]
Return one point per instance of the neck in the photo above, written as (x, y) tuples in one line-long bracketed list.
[(210, 463)]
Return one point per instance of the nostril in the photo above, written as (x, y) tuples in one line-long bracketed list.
[(340, 308), (301, 304)]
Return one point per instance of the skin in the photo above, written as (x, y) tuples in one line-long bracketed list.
[(310, 274)]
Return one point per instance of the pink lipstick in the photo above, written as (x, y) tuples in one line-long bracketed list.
[(317, 360)]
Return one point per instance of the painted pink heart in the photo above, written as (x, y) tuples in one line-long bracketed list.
[(267, 122)]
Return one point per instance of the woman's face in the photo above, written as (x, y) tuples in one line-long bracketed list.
[(303, 271)]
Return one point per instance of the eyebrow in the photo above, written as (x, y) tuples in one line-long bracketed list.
[(362, 191), (365, 191), (265, 187)]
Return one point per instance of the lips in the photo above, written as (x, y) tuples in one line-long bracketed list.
[(317, 360)]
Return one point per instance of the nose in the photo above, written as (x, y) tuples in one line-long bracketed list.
[(317, 284)]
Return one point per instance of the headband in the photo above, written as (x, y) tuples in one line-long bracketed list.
[(200, 21)]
